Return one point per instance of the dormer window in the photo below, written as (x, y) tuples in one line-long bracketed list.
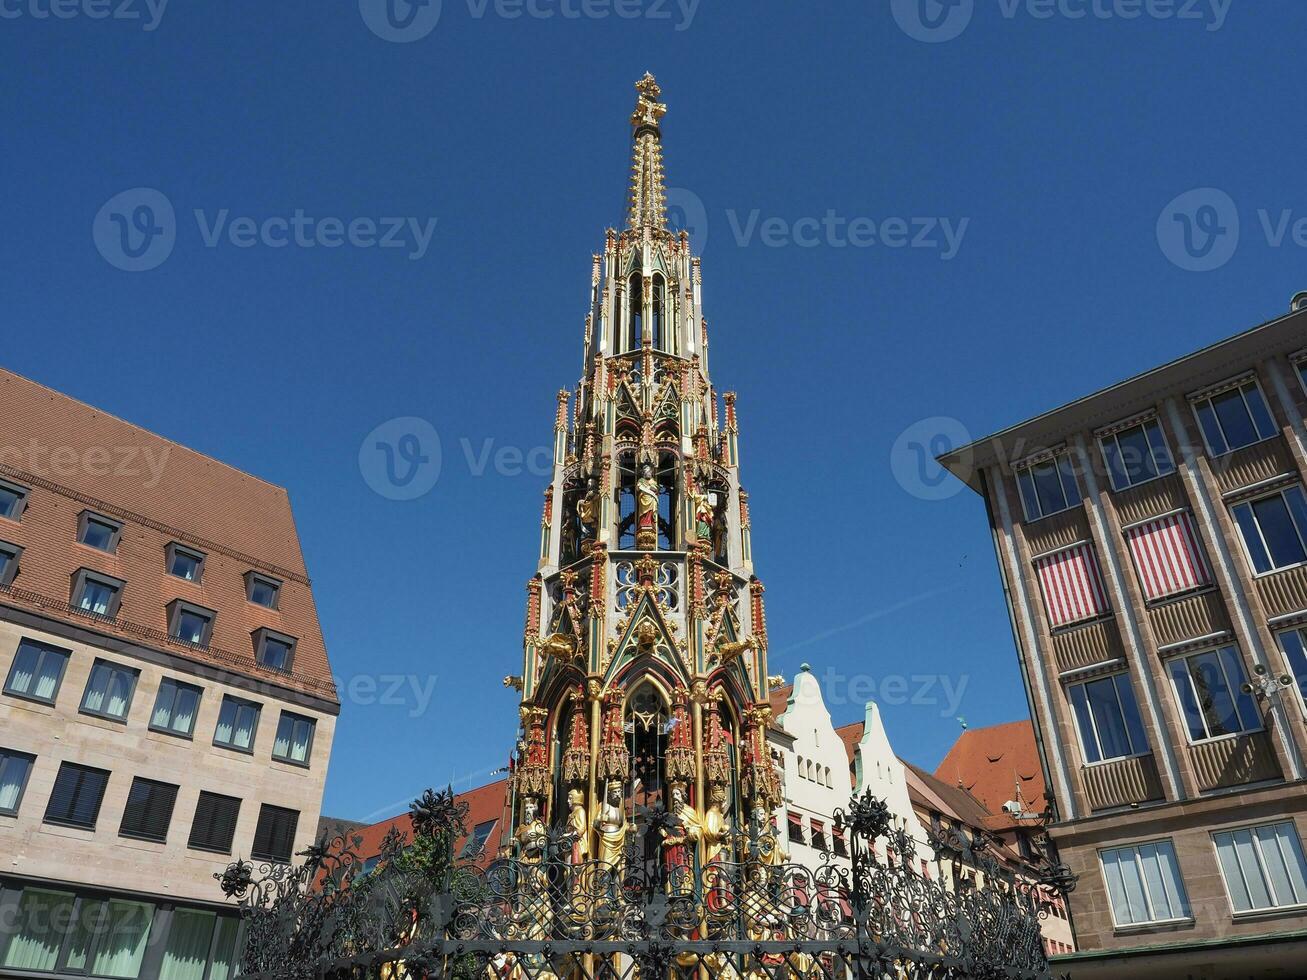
[(275, 650), (9, 555), (13, 499), (185, 563), (262, 590), (190, 623), (98, 532), (97, 594)]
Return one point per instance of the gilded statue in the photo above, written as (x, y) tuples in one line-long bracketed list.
[(646, 492), (680, 841), (610, 824), (531, 837)]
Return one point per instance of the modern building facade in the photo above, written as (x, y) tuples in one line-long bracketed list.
[(166, 703), (1152, 540)]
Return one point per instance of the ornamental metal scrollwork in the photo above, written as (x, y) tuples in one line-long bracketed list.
[(748, 913)]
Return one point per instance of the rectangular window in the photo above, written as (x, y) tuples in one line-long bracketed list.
[(1274, 529), (1294, 645), (109, 691), (37, 672), (294, 741), (190, 624), (13, 499), (1263, 867), (796, 828), (175, 708), (819, 835), (1234, 418), (1144, 884), (185, 563), (1168, 557), (262, 590), (1108, 718), (1207, 687), (215, 822), (98, 532), (1073, 590), (36, 935), (274, 837), (76, 797), (1048, 487), (476, 841), (97, 594), (274, 650), (1136, 455), (108, 938), (9, 556), (238, 722), (15, 767), (198, 940), (149, 810)]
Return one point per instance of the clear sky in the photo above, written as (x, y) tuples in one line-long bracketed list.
[(1050, 146)]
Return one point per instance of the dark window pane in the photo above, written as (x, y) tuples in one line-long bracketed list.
[(14, 769), (1080, 702), (75, 799), (1115, 465), (191, 626), (274, 837), (1029, 496), (215, 822), (176, 707), (1130, 709), (1278, 531), (1235, 677), (1069, 485), (263, 592), (1214, 696), (97, 597), (1262, 420), (237, 724), (1193, 716), (9, 499), (1048, 484), (1107, 716), (1136, 455), (1161, 455), (185, 566), (276, 653), (1295, 652), (1243, 514), (1211, 430), (1236, 423), (109, 691), (149, 810), (37, 671), (97, 534)]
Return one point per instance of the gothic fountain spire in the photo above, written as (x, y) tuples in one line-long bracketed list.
[(648, 190)]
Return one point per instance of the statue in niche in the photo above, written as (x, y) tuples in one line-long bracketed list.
[(647, 493), (587, 510), (610, 824), (704, 515), (578, 827), (531, 837), (680, 842)]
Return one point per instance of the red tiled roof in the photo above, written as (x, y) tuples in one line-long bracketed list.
[(990, 763), (75, 458), (485, 803)]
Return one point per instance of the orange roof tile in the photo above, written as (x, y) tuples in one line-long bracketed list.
[(74, 458), (990, 763)]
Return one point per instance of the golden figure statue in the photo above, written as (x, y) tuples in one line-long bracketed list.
[(578, 827), (531, 836), (610, 824), (703, 514), (716, 825)]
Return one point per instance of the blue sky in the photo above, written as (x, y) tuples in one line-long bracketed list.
[(1054, 146)]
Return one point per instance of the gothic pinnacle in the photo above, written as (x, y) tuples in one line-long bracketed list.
[(648, 202)]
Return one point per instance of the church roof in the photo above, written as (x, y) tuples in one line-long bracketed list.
[(990, 763)]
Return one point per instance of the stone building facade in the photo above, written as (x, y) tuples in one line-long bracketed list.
[(1152, 541), (166, 703)]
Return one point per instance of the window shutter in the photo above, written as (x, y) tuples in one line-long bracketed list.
[(1167, 556), (149, 810), (1073, 589), (274, 838), (215, 822), (77, 794)]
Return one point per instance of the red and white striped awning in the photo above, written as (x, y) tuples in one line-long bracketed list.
[(1168, 556), (1073, 589)]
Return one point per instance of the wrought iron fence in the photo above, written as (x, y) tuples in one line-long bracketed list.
[(746, 914)]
